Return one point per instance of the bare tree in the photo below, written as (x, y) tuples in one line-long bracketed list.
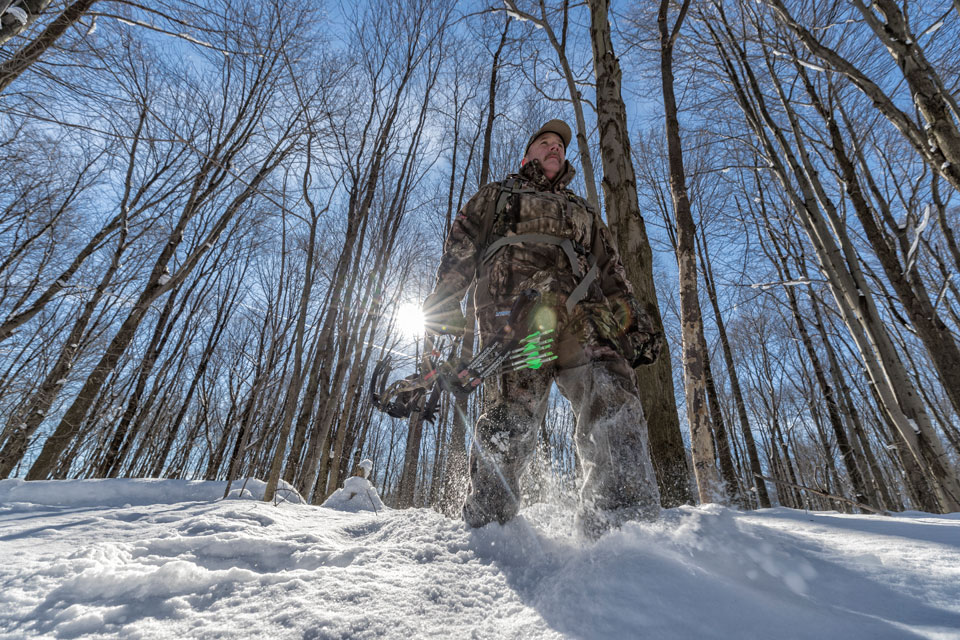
[(841, 266), (257, 77), (938, 141)]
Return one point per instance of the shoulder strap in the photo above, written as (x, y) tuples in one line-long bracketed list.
[(495, 225)]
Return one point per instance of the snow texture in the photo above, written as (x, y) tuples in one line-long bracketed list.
[(917, 234), (170, 559)]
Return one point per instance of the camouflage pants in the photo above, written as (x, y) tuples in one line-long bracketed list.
[(618, 482)]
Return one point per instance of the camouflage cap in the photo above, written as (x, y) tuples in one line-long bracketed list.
[(558, 127)]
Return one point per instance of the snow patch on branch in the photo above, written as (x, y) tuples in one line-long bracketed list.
[(810, 65), (519, 17), (918, 233), (18, 14), (943, 291), (788, 283), (934, 27), (185, 36)]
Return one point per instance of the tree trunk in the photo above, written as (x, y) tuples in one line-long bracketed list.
[(655, 382), (877, 491), (759, 484), (940, 150), (109, 463), (691, 319), (724, 456), (411, 459), (576, 98), (158, 284), (935, 335), (861, 494), (23, 423), (296, 379), (16, 64)]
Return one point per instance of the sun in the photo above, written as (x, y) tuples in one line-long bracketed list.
[(410, 320)]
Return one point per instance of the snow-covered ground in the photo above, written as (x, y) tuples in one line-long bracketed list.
[(169, 559)]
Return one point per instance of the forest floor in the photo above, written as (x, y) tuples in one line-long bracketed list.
[(169, 559)]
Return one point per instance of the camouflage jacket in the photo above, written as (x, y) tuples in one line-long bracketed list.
[(543, 207)]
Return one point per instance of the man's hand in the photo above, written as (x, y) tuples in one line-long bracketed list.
[(638, 341), (641, 347), (443, 316)]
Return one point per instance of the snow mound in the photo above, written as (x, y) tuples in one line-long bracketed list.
[(118, 492), (357, 494)]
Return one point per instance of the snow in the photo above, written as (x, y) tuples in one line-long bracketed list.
[(520, 17), (943, 290), (788, 283), (934, 27), (357, 494), (810, 65), (170, 559), (366, 466), (917, 234), (19, 14)]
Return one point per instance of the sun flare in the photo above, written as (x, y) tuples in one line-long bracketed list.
[(410, 320)]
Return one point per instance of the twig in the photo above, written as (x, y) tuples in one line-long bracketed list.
[(372, 503), (859, 505)]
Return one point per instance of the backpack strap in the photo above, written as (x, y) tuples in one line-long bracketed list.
[(495, 238), (496, 223), (580, 292)]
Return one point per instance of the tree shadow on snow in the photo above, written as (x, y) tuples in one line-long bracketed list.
[(715, 582)]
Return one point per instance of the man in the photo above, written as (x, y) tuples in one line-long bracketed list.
[(531, 232)]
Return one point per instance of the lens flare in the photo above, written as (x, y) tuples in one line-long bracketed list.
[(544, 319), (410, 320)]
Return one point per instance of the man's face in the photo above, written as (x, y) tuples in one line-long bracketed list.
[(548, 149)]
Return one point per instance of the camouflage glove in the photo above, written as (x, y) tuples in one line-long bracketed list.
[(639, 347), (442, 316), (637, 341)]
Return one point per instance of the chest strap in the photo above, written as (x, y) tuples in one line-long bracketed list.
[(580, 291)]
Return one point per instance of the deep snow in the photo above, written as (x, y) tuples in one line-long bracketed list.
[(170, 559)]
